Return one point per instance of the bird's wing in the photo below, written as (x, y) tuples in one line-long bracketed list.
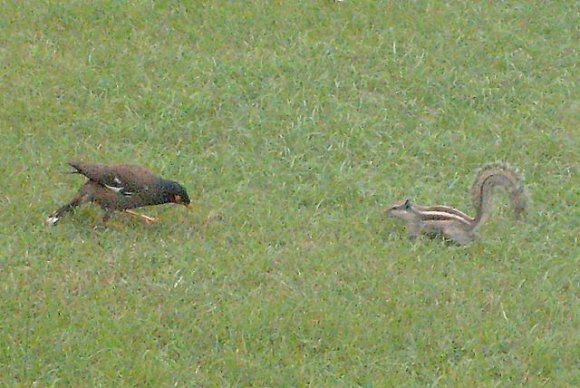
[(124, 179)]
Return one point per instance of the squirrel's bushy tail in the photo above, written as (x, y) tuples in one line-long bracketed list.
[(490, 176)]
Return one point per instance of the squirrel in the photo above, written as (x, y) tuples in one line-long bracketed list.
[(455, 225)]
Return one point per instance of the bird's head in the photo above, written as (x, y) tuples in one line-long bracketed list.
[(175, 193)]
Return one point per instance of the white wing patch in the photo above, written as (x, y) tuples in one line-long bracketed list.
[(117, 181), (115, 189), (120, 190)]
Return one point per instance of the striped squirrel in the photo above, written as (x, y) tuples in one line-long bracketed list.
[(454, 224)]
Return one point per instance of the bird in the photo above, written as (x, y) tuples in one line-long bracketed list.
[(121, 187)]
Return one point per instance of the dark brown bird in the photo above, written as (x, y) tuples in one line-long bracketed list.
[(121, 188)]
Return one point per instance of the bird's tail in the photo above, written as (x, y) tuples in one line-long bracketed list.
[(77, 166)]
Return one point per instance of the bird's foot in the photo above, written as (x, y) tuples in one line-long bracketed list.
[(147, 219)]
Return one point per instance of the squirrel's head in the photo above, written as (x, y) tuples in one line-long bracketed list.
[(402, 210)]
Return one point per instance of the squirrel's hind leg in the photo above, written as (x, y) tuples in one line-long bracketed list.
[(460, 236)]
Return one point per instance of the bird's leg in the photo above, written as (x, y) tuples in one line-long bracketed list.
[(107, 216), (80, 198), (145, 218), (107, 219)]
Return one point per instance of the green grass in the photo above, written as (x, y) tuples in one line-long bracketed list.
[(296, 122)]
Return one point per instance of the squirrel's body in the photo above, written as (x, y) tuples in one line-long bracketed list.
[(454, 224)]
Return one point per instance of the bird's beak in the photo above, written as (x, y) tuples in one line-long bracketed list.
[(188, 205)]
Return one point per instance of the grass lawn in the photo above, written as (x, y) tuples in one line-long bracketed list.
[(292, 124)]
